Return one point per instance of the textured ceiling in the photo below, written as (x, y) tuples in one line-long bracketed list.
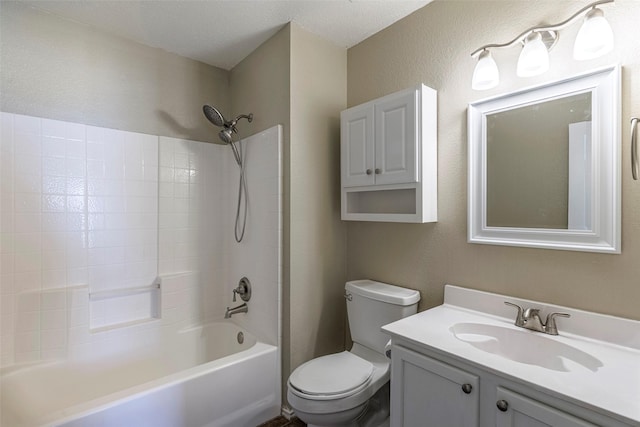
[(223, 32)]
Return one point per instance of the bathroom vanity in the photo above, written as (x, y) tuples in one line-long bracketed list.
[(465, 363)]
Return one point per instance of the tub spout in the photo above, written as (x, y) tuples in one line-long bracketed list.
[(242, 308)]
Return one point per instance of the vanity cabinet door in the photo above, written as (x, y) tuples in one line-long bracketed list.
[(429, 393), (515, 410)]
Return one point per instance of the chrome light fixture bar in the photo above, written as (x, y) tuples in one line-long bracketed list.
[(594, 39)]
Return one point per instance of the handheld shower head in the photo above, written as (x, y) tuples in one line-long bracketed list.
[(226, 135)]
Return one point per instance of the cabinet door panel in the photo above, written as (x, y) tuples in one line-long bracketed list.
[(428, 393), (357, 151), (525, 412), (396, 139)]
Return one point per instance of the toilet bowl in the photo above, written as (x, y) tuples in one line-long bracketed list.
[(334, 390), (351, 388)]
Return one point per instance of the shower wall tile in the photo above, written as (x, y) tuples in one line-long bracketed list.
[(38, 157), (122, 206), (76, 203), (189, 227), (86, 209)]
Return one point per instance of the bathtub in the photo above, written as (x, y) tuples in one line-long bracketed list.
[(195, 377)]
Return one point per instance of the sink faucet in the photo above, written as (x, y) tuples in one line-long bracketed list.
[(530, 319), (242, 308)]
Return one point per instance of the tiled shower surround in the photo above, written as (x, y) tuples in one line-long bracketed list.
[(91, 220)]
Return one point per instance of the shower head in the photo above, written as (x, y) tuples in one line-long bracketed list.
[(229, 127), (213, 115), (226, 135)]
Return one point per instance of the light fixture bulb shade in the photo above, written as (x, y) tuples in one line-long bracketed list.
[(534, 58), (486, 74), (595, 37)]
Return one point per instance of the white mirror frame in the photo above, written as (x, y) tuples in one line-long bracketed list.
[(604, 236)]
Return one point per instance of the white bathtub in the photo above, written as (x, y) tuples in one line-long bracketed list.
[(195, 378)]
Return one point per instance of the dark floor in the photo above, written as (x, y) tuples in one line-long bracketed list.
[(283, 422)]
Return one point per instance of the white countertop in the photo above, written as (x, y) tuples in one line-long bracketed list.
[(598, 365)]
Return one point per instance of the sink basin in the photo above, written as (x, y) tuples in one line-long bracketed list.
[(524, 346)]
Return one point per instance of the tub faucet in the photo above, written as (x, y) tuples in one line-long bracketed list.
[(242, 308), (530, 319)]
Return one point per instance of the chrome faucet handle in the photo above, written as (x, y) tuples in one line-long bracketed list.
[(243, 289), (550, 324), (240, 290), (532, 320), (519, 319)]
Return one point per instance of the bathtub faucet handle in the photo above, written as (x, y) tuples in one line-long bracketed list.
[(243, 289)]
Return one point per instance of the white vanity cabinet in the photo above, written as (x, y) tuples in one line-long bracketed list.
[(515, 410), (428, 391), (389, 158), (465, 363)]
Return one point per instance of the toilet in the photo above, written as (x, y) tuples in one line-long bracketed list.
[(351, 388)]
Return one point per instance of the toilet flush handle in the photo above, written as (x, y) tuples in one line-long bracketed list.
[(348, 296)]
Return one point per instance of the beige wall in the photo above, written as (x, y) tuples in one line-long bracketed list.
[(299, 80), (318, 236), (432, 46), (63, 70)]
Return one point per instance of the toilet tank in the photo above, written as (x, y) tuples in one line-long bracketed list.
[(371, 305)]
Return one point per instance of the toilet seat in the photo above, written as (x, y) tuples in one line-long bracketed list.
[(331, 377)]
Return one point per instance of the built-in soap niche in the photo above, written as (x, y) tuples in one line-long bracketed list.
[(124, 307)]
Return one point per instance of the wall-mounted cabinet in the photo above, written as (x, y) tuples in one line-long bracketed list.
[(389, 158)]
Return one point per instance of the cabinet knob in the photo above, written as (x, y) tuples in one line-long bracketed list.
[(467, 388), (368, 171), (378, 171), (502, 405)]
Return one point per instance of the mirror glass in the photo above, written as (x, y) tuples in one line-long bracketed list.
[(544, 165), (538, 161)]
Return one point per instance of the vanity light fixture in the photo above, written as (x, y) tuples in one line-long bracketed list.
[(486, 74), (594, 39), (534, 58)]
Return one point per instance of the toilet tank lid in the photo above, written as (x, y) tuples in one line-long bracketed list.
[(383, 292)]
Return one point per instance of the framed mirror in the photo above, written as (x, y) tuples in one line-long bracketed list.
[(544, 165)]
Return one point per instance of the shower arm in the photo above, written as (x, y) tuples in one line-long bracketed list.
[(232, 124)]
